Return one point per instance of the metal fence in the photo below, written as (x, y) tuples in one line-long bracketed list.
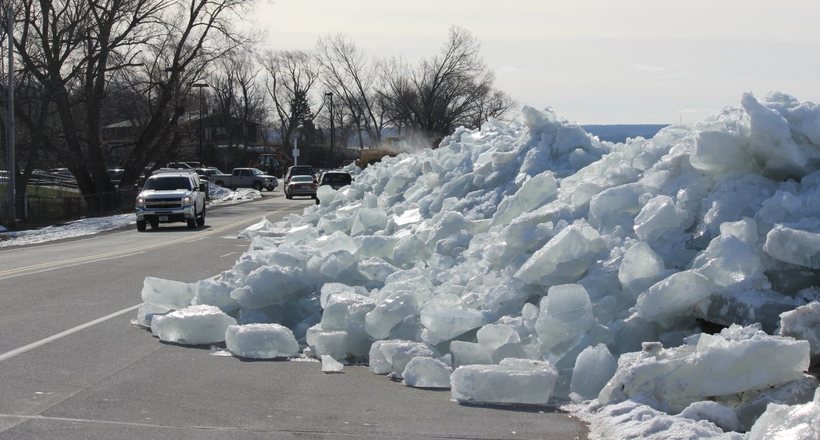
[(49, 204)]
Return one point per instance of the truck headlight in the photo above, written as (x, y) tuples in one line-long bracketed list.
[(140, 202), (186, 200)]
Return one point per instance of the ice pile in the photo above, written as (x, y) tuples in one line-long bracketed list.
[(528, 262)]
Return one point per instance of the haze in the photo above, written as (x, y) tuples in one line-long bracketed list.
[(593, 61)]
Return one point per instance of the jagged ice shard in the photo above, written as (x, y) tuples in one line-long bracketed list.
[(531, 257)]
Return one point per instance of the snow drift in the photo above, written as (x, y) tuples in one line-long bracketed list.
[(531, 256)]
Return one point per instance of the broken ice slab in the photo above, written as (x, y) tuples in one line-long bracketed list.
[(737, 360), (426, 372), (261, 341), (675, 295), (392, 356), (444, 324), (746, 307), (794, 246), (533, 193), (657, 217), (798, 422), (803, 323), (728, 261), (640, 268), (564, 258), (755, 403), (215, 293), (566, 315), (167, 293), (513, 381), (194, 325), (721, 415), (146, 313), (594, 367), (330, 365), (469, 353)]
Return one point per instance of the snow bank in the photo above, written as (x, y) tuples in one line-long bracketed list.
[(531, 254)]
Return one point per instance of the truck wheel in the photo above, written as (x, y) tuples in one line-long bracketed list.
[(220, 183), (257, 186), (154, 224), (200, 221), (141, 225), (191, 223)]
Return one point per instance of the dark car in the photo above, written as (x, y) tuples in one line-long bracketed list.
[(335, 179), (299, 170), (301, 186)]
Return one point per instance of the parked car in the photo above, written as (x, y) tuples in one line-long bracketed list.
[(115, 174), (301, 186), (171, 196), (299, 170), (335, 179), (246, 178), (183, 165)]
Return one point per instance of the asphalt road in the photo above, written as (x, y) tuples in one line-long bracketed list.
[(72, 366)]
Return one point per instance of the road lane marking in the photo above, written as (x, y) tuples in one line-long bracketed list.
[(228, 254), (18, 351), (52, 265)]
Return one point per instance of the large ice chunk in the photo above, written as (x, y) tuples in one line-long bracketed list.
[(426, 372), (675, 295), (269, 285), (803, 323), (794, 246), (167, 293), (194, 325), (728, 261), (392, 356), (738, 360), (513, 381), (659, 216), (469, 353), (566, 315), (533, 193), (261, 341), (797, 422), (718, 152), (594, 367), (640, 268), (390, 312), (215, 293), (564, 258), (443, 324), (330, 365), (720, 415)]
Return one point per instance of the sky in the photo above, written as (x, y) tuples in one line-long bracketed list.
[(592, 61)]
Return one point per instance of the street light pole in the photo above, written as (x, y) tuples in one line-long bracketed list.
[(330, 95), (200, 86), (10, 160)]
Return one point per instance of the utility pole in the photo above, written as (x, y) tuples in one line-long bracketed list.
[(10, 160), (200, 86), (330, 95)]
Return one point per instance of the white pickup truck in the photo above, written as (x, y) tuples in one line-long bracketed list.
[(176, 196), (245, 178)]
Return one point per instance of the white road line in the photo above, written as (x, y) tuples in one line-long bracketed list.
[(228, 254), (17, 351)]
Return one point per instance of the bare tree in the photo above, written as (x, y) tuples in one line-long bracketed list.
[(350, 76), (291, 77), (78, 50), (451, 89), (238, 100)]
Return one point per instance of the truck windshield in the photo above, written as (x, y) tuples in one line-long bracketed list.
[(168, 183)]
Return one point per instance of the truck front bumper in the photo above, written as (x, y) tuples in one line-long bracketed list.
[(166, 215)]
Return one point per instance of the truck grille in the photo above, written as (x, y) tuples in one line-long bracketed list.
[(163, 203)]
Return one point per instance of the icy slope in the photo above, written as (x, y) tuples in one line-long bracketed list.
[(533, 240)]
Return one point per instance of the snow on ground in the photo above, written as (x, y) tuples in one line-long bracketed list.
[(91, 226), (530, 263)]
